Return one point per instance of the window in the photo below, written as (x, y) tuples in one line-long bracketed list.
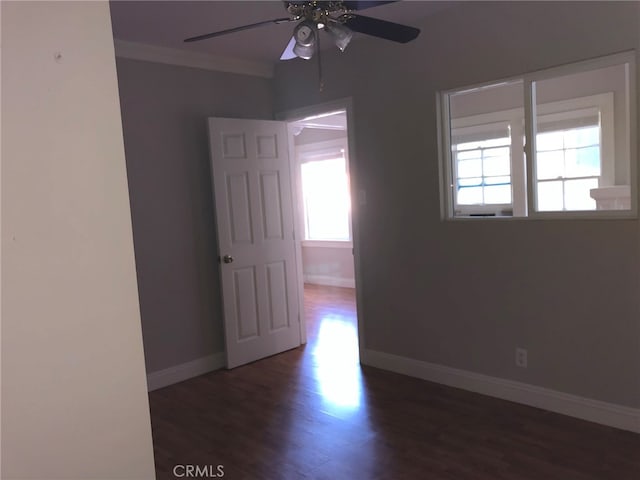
[(580, 149), (325, 192), (483, 172), (568, 166)]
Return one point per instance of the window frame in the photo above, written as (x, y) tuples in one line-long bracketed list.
[(490, 121), (528, 188), (581, 108), (317, 152)]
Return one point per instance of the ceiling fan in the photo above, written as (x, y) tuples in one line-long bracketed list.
[(337, 18)]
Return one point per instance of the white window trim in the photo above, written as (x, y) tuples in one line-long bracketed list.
[(327, 243), (445, 140), (313, 152)]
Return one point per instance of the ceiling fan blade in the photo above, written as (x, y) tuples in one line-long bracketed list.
[(362, 4), (238, 29), (288, 53), (381, 28)]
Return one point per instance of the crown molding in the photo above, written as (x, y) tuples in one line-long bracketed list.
[(184, 58)]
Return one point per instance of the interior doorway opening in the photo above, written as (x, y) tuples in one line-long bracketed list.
[(323, 195)]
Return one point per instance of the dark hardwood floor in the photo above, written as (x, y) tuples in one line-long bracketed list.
[(314, 413)]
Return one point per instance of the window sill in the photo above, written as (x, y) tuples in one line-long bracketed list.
[(327, 243), (553, 216)]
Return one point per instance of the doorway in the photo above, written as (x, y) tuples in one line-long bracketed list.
[(276, 206), (319, 144)]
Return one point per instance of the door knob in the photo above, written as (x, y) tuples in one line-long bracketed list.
[(227, 259)]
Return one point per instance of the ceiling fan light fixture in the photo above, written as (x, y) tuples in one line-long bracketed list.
[(305, 37), (305, 33), (341, 34), (303, 51), (337, 17)]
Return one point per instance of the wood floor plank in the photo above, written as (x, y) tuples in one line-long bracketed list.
[(314, 413)]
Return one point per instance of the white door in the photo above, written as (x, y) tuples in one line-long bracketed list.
[(254, 215)]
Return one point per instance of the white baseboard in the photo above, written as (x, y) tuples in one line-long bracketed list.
[(185, 371), (329, 281), (618, 416)]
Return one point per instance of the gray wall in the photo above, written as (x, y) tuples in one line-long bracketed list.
[(465, 294), (164, 111), (328, 265)]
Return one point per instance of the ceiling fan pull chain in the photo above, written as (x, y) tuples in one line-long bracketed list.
[(318, 55)]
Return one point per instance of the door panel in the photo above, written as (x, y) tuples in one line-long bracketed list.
[(277, 294), (271, 205), (246, 303), (239, 205), (254, 217)]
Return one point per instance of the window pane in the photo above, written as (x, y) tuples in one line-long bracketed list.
[(550, 164), (583, 162), (470, 168), (497, 165), (550, 197), (499, 194), (326, 199), (496, 152), (470, 182), (497, 180), (469, 154), (549, 141), (582, 137), (577, 194), (488, 164), (470, 196)]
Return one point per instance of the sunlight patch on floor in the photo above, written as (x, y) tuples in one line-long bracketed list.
[(338, 369)]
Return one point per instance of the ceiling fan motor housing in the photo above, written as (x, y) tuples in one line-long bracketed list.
[(316, 11)]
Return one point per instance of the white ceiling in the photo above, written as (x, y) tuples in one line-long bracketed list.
[(168, 23)]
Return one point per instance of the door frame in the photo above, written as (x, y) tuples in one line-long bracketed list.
[(290, 116)]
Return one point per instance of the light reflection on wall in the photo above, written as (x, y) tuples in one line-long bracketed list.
[(338, 370)]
